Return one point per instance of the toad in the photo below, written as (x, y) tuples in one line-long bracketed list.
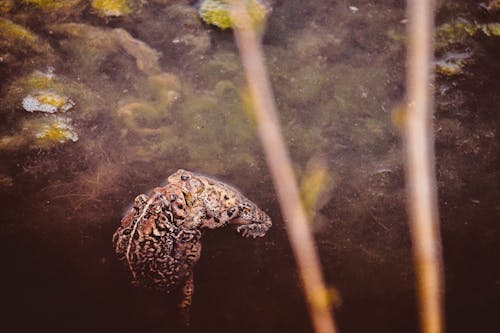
[(157, 243), (159, 238), (222, 203)]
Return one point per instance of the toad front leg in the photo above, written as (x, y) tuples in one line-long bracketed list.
[(253, 221)]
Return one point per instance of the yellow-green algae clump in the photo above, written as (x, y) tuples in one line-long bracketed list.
[(111, 7), (47, 101), (457, 32), (40, 132), (55, 130), (216, 12)]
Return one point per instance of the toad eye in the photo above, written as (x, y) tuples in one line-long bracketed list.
[(231, 211), (185, 177)]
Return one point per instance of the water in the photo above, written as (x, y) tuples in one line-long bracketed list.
[(338, 74)]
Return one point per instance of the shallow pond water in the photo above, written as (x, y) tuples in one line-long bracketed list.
[(156, 89)]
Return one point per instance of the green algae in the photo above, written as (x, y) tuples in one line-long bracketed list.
[(40, 132), (111, 7), (99, 43), (12, 33), (491, 29), (216, 12), (54, 130), (456, 32)]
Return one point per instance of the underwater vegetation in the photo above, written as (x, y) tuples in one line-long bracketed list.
[(53, 130), (216, 12), (111, 7), (99, 43)]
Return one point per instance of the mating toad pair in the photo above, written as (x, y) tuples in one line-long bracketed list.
[(159, 239)]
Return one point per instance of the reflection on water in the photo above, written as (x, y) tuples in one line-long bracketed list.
[(154, 89)]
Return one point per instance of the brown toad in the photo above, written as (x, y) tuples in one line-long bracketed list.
[(159, 239), (156, 243), (222, 204)]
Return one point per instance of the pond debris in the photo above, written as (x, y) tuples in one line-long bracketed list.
[(114, 40), (216, 12), (55, 129), (452, 63), (111, 7), (47, 101)]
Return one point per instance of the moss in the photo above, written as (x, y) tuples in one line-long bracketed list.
[(216, 12), (111, 7)]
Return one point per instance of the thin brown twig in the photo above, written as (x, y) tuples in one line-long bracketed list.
[(420, 174), (278, 160)]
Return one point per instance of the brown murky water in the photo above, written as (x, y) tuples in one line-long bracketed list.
[(156, 90)]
